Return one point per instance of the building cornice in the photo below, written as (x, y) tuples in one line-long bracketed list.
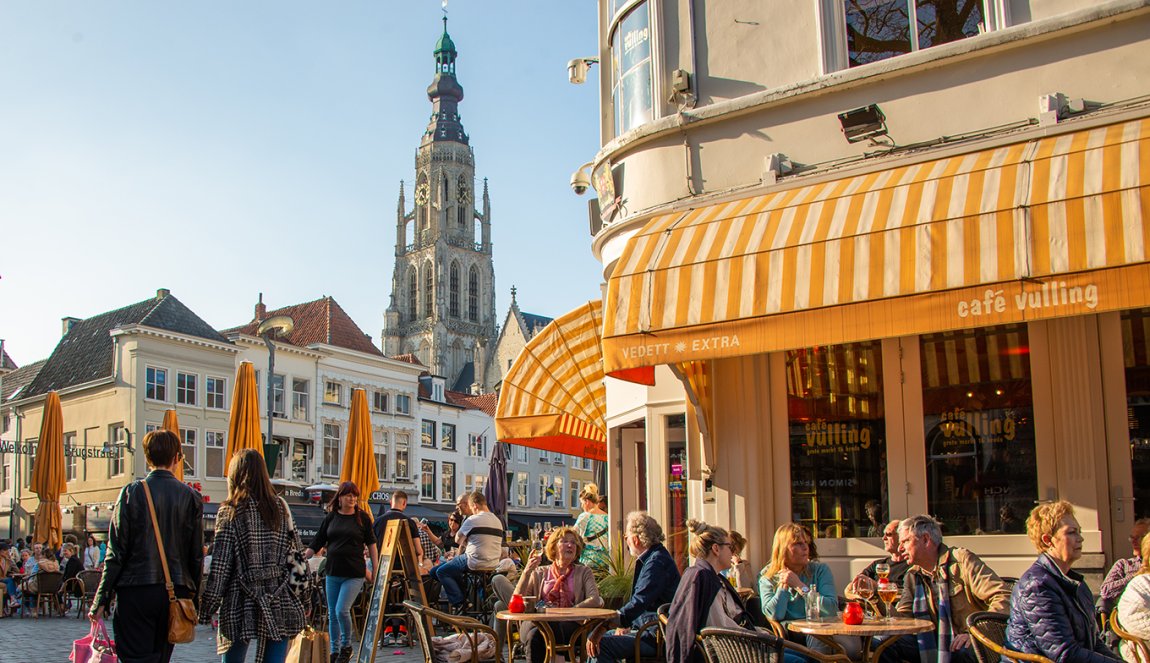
[(257, 343), (145, 330), (337, 352), (66, 391)]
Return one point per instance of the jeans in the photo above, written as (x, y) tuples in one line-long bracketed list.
[(341, 593), (275, 651), (906, 649), (614, 648), (450, 575)]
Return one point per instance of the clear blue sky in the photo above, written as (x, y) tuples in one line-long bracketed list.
[(221, 149)]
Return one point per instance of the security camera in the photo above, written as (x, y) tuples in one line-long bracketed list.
[(580, 182), (577, 69)]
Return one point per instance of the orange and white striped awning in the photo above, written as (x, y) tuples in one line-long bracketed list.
[(1044, 228), (553, 396)]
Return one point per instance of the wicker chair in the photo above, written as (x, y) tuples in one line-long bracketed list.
[(780, 631), (1135, 646), (657, 626), (91, 580), (988, 637), (46, 591), (422, 617), (725, 645)]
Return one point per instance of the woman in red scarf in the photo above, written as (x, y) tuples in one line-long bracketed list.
[(562, 584)]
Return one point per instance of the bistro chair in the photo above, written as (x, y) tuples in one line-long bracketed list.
[(72, 592), (91, 581), (42, 589), (779, 631), (422, 615), (656, 626), (1132, 645), (726, 645), (988, 637)]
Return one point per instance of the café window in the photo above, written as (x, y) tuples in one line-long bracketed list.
[(631, 91), (837, 439), (1136, 357), (978, 409)]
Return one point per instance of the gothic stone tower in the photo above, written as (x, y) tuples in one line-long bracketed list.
[(443, 290)]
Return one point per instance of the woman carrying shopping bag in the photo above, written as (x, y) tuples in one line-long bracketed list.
[(250, 582)]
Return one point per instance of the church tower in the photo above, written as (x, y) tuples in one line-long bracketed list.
[(443, 290)]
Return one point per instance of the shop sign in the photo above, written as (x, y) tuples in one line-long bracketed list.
[(29, 448), (675, 486), (823, 437), (676, 469), (961, 427)]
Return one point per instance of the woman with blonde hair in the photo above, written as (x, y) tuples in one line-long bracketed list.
[(791, 573), (740, 574), (703, 598), (1134, 606), (592, 525), (563, 584), (249, 578), (1051, 608)]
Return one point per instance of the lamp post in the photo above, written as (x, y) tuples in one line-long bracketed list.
[(277, 325)]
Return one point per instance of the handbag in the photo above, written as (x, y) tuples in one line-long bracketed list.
[(181, 612), (299, 572), (310, 646), (96, 647)]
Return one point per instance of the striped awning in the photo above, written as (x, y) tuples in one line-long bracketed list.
[(1044, 228), (553, 396)]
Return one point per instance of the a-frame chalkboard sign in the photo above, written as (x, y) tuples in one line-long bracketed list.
[(396, 557)]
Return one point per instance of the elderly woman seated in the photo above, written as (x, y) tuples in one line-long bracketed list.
[(562, 584), (1051, 610)]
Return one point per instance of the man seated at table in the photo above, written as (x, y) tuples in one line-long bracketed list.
[(942, 581), (894, 559), (654, 583), (482, 534)]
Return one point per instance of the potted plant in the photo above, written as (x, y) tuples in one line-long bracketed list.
[(615, 581)]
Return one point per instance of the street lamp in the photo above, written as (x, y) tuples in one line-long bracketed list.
[(277, 325)]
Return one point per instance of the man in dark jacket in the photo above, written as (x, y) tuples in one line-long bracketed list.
[(654, 583), (133, 570)]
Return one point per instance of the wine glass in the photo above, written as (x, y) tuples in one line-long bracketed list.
[(888, 592), (882, 570), (864, 588)]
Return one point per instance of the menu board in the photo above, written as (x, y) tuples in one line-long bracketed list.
[(396, 553)]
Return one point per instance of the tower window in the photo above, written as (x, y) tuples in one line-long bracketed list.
[(453, 306), (428, 284), (412, 295), (473, 295), (461, 218)]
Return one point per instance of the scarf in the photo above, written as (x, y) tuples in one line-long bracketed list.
[(557, 590), (934, 648)]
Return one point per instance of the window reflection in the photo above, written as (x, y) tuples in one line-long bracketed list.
[(978, 412), (1136, 357), (837, 439)]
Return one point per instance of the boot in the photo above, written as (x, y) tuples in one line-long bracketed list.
[(344, 655)]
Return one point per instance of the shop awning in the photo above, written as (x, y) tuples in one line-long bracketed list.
[(553, 396), (1045, 228)]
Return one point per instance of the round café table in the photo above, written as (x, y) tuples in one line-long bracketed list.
[(867, 630), (588, 617)]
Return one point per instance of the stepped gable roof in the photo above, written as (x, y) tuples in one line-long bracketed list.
[(15, 381), (485, 402), (320, 321), (532, 323), (86, 351), (6, 361)]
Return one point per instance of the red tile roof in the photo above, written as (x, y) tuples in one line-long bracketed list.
[(320, 321), (409, 358), (485, 402)]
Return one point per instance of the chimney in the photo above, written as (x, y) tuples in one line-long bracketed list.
[(66, 325), (261, 310), (475, 389), (162, 292)]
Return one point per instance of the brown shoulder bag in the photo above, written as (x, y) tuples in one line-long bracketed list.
[(181, 612)]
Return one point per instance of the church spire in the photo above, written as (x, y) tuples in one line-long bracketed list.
[(445, 93)]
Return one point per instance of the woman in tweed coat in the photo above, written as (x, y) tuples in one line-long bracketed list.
[(249, 578)]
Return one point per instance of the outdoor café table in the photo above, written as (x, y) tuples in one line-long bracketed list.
[(865, 630), (588, 617)]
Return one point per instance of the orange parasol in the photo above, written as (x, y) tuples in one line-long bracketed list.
[(244, 424), (172, 423), (359, 456), (48, 480)]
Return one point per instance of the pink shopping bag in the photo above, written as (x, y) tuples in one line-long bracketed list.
[(96, 647)]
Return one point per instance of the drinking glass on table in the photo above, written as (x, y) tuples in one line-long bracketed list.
[(882, 570), (864, 588), (888, 592)]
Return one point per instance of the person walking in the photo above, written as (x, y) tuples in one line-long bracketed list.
[(133, 571), (592, 526), (249, 579), (344, 532)]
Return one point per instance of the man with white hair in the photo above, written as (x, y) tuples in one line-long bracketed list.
[(944, 585), (654, 583)]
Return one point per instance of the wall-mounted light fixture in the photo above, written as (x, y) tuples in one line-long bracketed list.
[(863, 123), (577, 69)]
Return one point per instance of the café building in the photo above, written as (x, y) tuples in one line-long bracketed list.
[(876, 268)]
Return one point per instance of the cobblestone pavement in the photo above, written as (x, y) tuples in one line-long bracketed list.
[(49, 640)]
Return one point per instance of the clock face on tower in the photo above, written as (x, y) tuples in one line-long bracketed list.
[(421, 193)]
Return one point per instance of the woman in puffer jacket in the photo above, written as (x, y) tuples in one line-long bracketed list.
[(1051, 609), (1134, 605)]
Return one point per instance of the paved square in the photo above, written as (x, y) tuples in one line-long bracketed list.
[(28, 640)]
